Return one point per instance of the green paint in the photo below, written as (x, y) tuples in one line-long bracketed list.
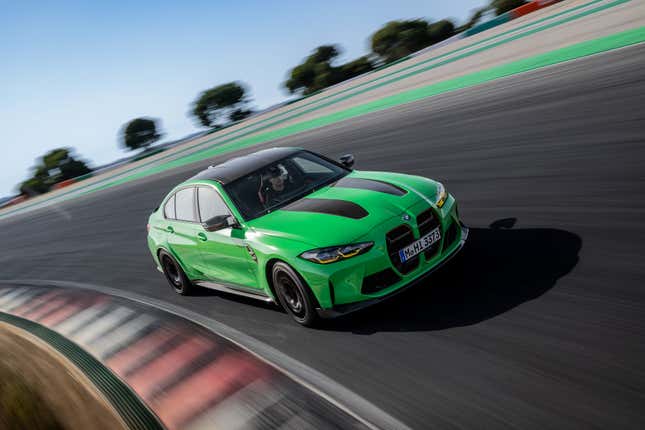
[(196, 156), (224, 143), (498, 20), (518, 29), (336, 95), (281, 234), (135, 414), (572, 52)]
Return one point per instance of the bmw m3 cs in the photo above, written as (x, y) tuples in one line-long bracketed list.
[(290, 226)]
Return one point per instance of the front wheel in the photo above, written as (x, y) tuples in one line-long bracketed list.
[(175, 274), (294, 295)]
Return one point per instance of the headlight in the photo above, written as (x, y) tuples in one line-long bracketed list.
[(442, 195), (336, 253)]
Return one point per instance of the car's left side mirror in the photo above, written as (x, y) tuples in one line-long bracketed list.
[(347, 160), (220, 222)]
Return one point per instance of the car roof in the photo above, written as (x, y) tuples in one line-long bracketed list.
[(238, 167)]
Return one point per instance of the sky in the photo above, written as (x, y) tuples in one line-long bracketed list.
[(73, 72)]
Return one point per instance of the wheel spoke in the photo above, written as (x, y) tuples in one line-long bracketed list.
[(292, 294)]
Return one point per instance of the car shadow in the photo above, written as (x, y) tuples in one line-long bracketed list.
[(498, 269)]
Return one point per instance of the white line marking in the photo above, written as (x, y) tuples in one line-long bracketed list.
[(79, 320), (237, 410), (20, 300), (122, 335), (102, 325)]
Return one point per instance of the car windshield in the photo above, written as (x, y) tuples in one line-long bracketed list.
[(282, 182)]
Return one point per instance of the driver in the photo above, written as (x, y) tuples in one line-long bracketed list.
[(274, 185)]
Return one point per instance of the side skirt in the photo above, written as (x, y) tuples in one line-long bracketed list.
[(235, 289)]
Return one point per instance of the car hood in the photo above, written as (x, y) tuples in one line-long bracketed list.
[(348, 209)]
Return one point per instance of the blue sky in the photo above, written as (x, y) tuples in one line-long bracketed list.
[(73, 72)]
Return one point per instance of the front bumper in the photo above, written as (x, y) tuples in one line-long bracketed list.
[(343, 309)]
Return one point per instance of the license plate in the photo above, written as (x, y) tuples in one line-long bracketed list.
[(419, 245)]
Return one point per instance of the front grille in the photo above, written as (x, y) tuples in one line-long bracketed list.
[(379, 281), (451, 235), (428, 221), (397, 239)]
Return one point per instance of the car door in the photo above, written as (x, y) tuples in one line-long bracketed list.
[(224, 257), (183, 231)]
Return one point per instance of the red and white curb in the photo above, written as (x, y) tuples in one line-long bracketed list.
[(189, 376)]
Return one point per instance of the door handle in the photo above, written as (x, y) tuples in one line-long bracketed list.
[(202, 237), (169, 229)]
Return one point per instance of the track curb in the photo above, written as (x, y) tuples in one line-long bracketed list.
[(317, 392), (129, 406)]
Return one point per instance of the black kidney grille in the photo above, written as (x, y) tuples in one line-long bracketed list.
[(397, 239), (428, 221)]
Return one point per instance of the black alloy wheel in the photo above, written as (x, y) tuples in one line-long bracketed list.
[(174, 274), (294, 295)]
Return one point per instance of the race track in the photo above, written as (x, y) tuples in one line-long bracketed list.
[(540, 323)]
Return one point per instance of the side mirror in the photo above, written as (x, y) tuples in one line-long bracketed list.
[(347, 160), (220, 222)]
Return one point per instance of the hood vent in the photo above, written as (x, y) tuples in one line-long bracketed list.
[(370, 184), (328, 206)]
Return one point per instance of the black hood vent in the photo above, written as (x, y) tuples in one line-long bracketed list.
[(370, 184), (328, 206)]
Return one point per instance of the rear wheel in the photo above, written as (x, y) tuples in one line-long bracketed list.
[(175, 274), (294, 295)]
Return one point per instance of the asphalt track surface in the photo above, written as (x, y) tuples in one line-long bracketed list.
[(540, 322)]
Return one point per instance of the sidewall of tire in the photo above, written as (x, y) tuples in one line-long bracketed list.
[(311, 316), (187, 285)]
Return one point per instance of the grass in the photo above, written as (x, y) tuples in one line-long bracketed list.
[(22, 407)]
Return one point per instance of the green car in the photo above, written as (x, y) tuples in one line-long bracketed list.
[(290, 226)]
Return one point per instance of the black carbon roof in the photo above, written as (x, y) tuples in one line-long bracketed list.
[(240, 166)]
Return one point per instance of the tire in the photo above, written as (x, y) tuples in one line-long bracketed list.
[(294, 294), (175, 275)]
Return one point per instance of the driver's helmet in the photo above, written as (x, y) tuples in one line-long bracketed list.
[(271, 172), (274, 172)]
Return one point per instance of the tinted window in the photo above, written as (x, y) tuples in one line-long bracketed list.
[(210, 203), (184, 204), (169, 208), (310, 166), (277, 184)]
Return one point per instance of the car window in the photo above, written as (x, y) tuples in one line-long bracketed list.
[(169, 208), (185, 205), (309, 166), (277, 184), (210, 203)]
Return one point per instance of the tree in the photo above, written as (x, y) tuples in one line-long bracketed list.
[(55, 166), (139, 133), (317, 71), (60, 165), (357, 67), (440, 30), (218, 105), (33, 186), (398, 39), (239, 114), (501, 6)]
